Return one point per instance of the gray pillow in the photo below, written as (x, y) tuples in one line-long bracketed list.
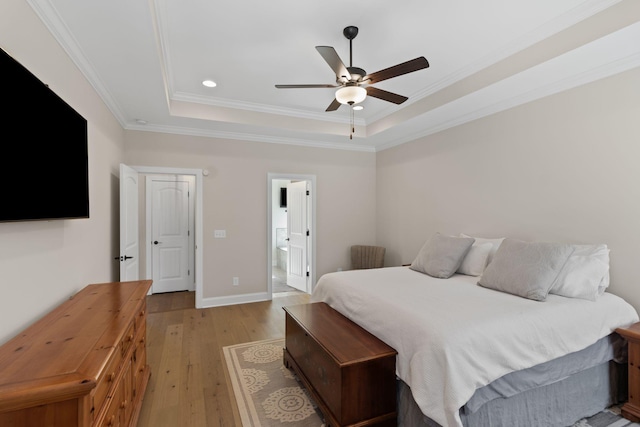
[(526, 269), (441, 255)]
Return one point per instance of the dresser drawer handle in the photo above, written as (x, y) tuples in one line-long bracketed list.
[(123, 404), (112, 420), (111, 377)]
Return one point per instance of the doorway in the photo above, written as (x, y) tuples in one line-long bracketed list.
[(194, 177), (291, 233)]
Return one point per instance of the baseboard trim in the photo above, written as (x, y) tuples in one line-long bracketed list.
[(235, 299)]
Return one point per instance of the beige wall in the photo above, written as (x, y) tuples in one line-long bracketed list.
[(45, 262), (564, 168), (235, 199)]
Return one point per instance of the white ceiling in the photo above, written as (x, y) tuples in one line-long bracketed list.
[(147, 60)]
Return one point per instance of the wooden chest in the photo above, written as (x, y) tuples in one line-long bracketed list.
[(81, 365), (349, 372)]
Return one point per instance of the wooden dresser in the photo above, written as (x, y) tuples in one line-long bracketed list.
[(631, 409), (82, 364), (350, 373)]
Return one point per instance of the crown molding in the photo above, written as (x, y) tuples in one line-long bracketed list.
[(51, 19), (242, 136), (263, 108)]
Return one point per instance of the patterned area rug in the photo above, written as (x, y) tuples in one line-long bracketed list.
[(269, 395)]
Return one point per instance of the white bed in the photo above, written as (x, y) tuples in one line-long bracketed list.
[(454, 336)]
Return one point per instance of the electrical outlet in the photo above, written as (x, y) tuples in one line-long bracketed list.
[(236, 281), (220, 234), (339, 268)]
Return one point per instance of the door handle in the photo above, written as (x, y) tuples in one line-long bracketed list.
[(155, 242), (127, 257)]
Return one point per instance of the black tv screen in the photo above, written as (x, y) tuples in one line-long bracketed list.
[(283, 197), (45, 165)]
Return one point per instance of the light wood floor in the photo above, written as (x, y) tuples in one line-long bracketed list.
[(188, 385)]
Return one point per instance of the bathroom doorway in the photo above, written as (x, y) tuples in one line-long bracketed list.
[(291, 233)]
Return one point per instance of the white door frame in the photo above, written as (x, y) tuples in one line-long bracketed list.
[(156, 170), (311, 255)]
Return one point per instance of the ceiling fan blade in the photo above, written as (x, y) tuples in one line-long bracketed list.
[(331, 56), (397, 70), (385, 95), (303, 86), (333, 106)]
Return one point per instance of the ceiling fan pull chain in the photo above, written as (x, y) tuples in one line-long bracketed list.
[(351, 124)]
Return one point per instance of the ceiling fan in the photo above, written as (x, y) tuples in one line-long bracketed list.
[(352, 82)]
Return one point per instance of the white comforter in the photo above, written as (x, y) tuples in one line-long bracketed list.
[(453, 336)]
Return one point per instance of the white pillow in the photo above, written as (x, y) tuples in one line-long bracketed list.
[(585, 274), (526, 269), (476, 259), (441, 255), (494, 242)]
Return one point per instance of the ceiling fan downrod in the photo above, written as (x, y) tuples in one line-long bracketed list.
[(350, 33)]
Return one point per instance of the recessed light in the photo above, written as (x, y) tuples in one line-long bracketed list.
[(209, 83), (358, 107)]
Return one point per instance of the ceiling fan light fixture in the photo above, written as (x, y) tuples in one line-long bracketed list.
[(357, 107), (351, 95)]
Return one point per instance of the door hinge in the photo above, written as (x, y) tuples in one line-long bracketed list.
[(188, 272), (307, 232), (307, 274), (307, 192)]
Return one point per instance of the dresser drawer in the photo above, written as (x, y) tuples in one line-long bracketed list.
[(111, 416), (139, 362), (127, 339), (141, 316), (107, 380), (126, 396)]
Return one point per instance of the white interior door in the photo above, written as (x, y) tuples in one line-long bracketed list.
[(170, 235), (129, 244), (297, 234)]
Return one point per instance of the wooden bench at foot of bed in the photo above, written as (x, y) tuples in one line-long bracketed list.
[(349, 372)]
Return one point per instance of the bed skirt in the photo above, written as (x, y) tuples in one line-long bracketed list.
[(558, 404)]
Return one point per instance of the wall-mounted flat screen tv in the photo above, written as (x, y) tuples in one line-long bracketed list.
[(45, 164), (283, 197)]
